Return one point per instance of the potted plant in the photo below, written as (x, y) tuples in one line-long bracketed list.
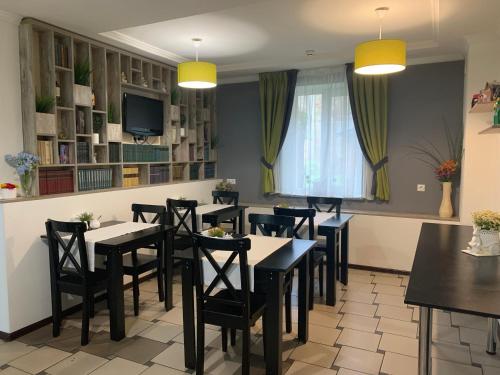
[(224, 186), (45, 121), (8, 191), (82, 93), (445, 166), (114, 128), (25, 165), (487, 228)]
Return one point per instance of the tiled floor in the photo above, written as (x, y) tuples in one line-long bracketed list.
[(370, 331)]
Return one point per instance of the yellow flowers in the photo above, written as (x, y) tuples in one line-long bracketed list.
[(487, 220), (216, 232)]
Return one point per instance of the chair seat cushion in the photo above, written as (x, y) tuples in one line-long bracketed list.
[(257, 304), (145, 262)]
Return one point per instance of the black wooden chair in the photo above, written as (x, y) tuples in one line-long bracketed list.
[(229, 198), (179, 212), (233, 308), (306, 214), (277, 226), (327, 204), (70, 273), (135, 264)]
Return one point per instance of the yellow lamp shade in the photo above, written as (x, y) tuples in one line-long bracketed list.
[(382, 56), (197, 75)]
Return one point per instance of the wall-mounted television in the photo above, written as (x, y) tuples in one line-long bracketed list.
[(142, 116)]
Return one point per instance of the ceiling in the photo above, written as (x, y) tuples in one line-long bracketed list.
[(247, 36)]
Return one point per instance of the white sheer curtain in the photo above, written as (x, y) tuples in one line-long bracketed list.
[(321, 154)]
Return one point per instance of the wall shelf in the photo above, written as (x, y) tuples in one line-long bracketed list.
[(482, 107), (48, 56), (491, 130)]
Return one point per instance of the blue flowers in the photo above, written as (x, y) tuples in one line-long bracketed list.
[(23, 162)]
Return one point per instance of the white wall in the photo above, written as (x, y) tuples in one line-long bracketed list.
[(481, 165), (11, 138), (24, 267)]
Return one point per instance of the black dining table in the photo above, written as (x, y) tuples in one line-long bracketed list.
[(443, 277), (113, 249), (330, 228), (269, 276), (224, 213)]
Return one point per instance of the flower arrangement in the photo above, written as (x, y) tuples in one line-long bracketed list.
[(86, 217), (25, 164), (487, 220), (446, 170), (216, 232), (8, 191), (224, 186), (8, 186)]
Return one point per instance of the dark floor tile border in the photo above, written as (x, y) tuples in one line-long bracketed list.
[(378, 269), (73, 309)]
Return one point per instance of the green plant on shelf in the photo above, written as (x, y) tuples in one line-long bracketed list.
[(112, 114), (44, 103), (82, 73)]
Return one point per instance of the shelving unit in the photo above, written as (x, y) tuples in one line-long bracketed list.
[(185, 152)]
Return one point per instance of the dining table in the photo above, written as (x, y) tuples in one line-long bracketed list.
[(268, 279), (113, 245), (214, 214)]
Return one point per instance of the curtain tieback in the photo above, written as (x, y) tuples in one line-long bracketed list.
[(375, 168), (266, 164)]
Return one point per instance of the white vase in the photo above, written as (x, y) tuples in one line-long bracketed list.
[(446, 209), (489, 238), (95, 138)]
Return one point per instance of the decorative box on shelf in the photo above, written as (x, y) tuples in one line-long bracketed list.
[(114, 132), (45, 123), (82, 95)]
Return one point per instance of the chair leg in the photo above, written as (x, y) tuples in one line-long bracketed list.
[(135, 291), (224, 339), (159, 277), (85, 319), (200, 347), (91, 305), (264, 334), (288, 310), (56, 312), (233, 337), (245, 352), (320, 276), (311, 285)]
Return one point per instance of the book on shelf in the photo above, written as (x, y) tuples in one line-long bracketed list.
[(64, 153), (114, 152), (45, 152), (209, 170), (61, 54), (130, 176), (178, 172), (95, 179), (134, 153), (194, 170), (55, 181), (158, 174), (83, 152)]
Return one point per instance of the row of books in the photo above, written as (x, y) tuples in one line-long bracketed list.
[(144, 153), (114, 152), (83, 152), (130, 176), (64, 153), (194, 172), (158, 174), (61, 53), (209, 170), (178, 172), (44, 150), (55, 181), (94, 179)]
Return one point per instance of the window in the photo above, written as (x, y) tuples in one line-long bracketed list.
[(321, 154)]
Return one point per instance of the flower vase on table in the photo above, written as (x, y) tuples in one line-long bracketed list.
[(486, 238), (27, 180)]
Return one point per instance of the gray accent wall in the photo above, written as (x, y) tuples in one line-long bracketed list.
[(421, 100)]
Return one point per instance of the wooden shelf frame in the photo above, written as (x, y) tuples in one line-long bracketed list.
[(48, 55)]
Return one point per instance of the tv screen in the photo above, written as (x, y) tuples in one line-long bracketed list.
[(142, 116)]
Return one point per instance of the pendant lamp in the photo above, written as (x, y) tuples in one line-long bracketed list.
[(380, 56), (197, 74)]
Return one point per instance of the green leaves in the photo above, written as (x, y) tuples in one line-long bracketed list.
[(82, 73), (44, 103)]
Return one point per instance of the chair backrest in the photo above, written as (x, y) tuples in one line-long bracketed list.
[(225, 197), (67, 264), (331, 203), (305, 214), (182, 209), (237, 248), (139, 210), (267, 224)]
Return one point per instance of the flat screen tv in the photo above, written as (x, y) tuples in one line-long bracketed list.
[(142, 116)]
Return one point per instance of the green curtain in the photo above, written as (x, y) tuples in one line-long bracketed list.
[(370, 102), (276, 91)]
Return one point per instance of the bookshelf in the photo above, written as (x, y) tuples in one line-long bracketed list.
[(82, 146)]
